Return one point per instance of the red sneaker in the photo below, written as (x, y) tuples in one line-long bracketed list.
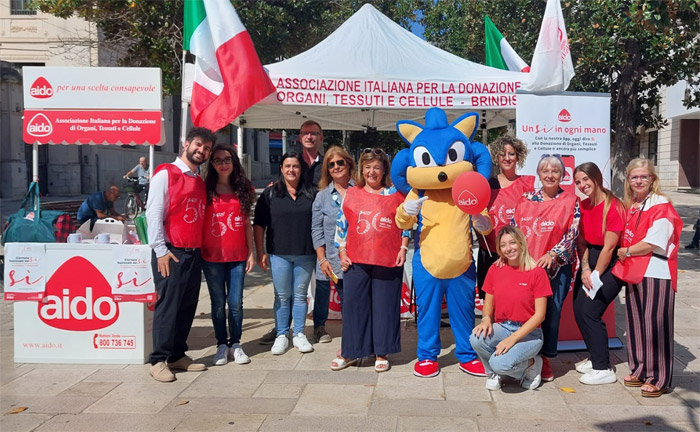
[(474, 367), (426, 368), (547, 374)]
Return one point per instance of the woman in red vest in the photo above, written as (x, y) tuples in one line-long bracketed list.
[(227, 248), (507, 187), (372, 253), (549, 219), (601, 225), (648, 262)]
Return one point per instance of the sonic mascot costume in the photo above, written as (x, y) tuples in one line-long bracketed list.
[(442, 263)]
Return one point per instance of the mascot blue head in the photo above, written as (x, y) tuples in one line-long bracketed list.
[(439, 152)]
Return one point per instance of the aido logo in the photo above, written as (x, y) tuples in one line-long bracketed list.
[(568, 176), (564, 116), (78, 298), (39, 126), (467, 200), (41, 89)]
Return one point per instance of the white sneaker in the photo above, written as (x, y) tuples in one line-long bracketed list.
[(596, 377), (584, 366), (493, 382), (221, 356), (280, 345), (302, 343), (238, 355), (533, 375)]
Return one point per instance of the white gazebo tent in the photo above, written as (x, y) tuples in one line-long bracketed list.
[(370, 73)]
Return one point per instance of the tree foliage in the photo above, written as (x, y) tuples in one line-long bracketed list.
[(629, 48)]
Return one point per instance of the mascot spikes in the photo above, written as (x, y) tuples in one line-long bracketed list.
[(442, 264)]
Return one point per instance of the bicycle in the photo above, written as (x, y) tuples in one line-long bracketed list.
[(134, 205)]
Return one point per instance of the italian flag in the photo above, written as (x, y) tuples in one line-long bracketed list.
[(499, 53), (228, 76)]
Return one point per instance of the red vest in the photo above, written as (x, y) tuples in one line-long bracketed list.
[(224, 230), (185, 217), (637, 225), (502, 207), (373, 237), (544, 223)]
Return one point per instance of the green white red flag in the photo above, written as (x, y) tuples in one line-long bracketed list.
[(499, 53), (229, 77)]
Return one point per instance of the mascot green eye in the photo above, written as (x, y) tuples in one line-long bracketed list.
[(455, 153), (423, 158)]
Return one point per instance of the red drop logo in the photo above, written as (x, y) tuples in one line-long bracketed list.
[(78, 298), (564, 116), (41, 89)]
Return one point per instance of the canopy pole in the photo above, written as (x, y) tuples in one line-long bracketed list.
[(239, 142), (284, 141), (35, 162), (151, 156), (184, 107)]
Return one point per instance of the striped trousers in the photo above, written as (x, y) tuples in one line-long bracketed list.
[(650, 307)]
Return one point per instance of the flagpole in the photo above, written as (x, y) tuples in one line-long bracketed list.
[(184, 106)]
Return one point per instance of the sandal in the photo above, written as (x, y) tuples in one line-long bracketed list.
[(381, 366), (341, 363), (658, 391), (632, 381)]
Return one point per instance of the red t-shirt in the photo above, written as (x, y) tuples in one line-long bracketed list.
[(514, 291), (591, 224)]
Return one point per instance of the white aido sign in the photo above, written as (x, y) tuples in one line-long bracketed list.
[(85, 88), (78, 319), (575, 126)]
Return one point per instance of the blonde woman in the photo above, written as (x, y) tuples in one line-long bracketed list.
[(509, 336), (336, 178), (648, 262)]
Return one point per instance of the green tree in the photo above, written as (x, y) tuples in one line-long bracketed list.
[(629, 48), (149, 32)]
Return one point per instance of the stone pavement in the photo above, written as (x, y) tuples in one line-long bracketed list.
[(299, 392)]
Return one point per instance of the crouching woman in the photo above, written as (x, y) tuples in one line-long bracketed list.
[(509, 336)]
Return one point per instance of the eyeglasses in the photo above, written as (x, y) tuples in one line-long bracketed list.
[(340, 163), (225, 161), (641, 178), (314, 134), (375, 150)]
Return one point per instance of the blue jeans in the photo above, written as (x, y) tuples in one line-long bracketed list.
[(323, 296), (514, 362), (225, 283), (550, 326), (291, 275)]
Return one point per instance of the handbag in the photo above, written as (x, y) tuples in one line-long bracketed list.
[(30, 224)]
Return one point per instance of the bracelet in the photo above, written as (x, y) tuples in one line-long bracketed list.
[(586, 268), (322, 261), (404, 247), (552, 254), (342, 248)]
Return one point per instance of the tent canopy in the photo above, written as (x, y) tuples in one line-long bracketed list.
[(370, 73)]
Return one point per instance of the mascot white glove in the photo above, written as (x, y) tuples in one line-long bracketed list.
[(481, 222), (412, 207)]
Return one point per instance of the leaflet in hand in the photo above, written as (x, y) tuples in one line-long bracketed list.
[(597, 283)]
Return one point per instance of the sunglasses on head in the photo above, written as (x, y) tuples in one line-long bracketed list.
[(375, 150), (340, 163)]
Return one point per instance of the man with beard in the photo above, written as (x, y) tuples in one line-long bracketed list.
[(175, 213)]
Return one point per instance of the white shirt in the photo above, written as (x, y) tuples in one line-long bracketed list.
[(660, 234), (157, 207)]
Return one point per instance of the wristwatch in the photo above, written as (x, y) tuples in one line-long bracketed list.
[(627, 253)]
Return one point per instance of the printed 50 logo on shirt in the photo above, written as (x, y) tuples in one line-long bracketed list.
[(367, 220), (78, 298)]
